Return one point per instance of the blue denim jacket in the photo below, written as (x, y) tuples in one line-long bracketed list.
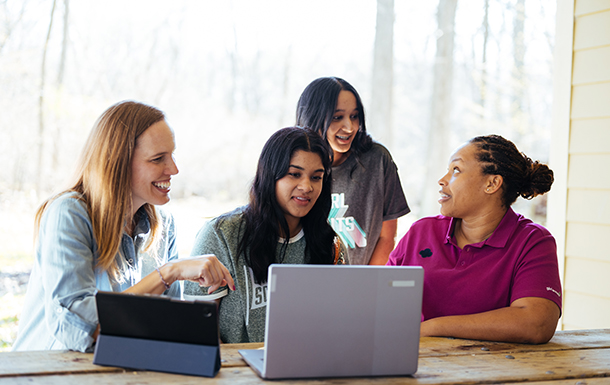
[(60, 310)]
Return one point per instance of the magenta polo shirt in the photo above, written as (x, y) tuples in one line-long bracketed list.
[(518, 260)]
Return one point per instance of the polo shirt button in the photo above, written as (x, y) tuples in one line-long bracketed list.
[(463, 263), (130, 260), (59, 310)]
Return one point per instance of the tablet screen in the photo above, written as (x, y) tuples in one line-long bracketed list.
[(158, 318)]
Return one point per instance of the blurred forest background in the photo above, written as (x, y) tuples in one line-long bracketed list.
[(432, 74)]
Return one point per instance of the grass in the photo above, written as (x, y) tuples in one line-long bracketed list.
[(16, 258), (13, 273), (9, 319)]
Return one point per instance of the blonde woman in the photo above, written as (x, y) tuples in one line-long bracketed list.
[(105, 233)]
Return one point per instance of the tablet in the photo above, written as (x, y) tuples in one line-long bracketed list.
[(158, 318)]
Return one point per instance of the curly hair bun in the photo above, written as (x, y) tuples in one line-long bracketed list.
[(538, 181), (522, 176)]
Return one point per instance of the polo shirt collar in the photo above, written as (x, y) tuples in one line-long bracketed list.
[(449, 234), (500, 236)]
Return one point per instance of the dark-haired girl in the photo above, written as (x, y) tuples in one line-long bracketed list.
[(284, 222), (366, 191), (491, 274)]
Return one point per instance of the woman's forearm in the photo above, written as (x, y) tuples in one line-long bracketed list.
[(528, 320)]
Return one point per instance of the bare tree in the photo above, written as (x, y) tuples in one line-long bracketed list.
[(64, 44), (14, 173), (232, 89), (440, 113), (380, 116), (9, 25), (483, 88), (41, 126), (57, 138), (518, 78), (283, 115)]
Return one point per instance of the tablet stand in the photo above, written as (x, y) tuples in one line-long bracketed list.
[(147, 332), (163, 356)]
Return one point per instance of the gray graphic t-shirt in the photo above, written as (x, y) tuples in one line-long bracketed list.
[(363, 199)]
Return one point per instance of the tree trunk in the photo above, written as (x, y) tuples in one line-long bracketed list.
[(41, 126), (9, 25), (287, 110), (440, 114), (58, 136), (64, 44), (380, 115), (518, 116), (483, 88)]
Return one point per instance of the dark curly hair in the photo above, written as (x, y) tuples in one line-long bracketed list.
[(522, 176)]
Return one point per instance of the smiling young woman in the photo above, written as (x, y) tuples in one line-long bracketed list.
[(298, 191), (152, 166), (105, 233), (366, 190), (284, 222)]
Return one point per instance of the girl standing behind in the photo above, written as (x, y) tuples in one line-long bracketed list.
[(367, 197), (284, 222)]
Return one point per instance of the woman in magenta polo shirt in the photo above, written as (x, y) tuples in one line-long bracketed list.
[(490, 273)]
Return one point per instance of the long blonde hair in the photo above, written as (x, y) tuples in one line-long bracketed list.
[(103, 178)]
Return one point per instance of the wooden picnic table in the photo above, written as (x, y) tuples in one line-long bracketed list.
[(571, 357)]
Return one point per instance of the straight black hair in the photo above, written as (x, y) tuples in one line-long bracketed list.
[(317, 105), (264, 219)]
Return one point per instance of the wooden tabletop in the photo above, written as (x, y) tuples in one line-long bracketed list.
[(571, 357)]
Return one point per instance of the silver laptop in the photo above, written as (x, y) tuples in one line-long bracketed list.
[(340, 321)]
